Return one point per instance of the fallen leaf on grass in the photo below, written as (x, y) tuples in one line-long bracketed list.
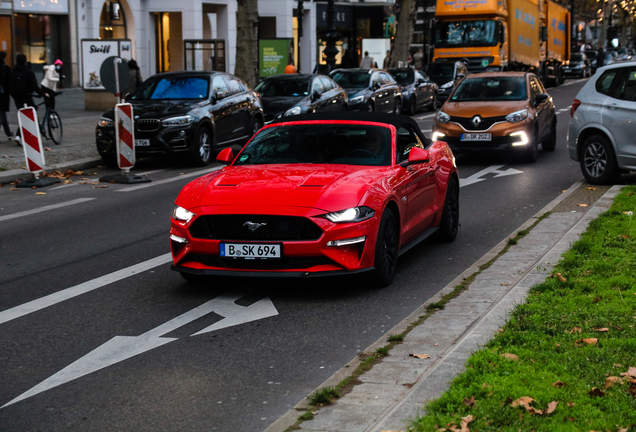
[(510, 356), (571, 419), (464, 424), (596, 392), (604, 329), (590, 188), (610, 381), (582, 205), (420, 356), (574, 330), (617, 365), (469, 402), (559, 384), (551, 407), (630, 372), (589, 341), (571, 404), (40, 193), (525, 402), (561, 278), (14, 189)]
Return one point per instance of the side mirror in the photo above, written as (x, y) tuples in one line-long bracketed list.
[(315, 95), (226, 156), (542, 97), (213, 97), (418, 155), (375, 85)]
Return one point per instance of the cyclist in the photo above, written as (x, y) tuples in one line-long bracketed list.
[(49, 83), (23, 85)]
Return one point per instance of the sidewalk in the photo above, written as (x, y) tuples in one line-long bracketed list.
[(77, 150), (394, 391)]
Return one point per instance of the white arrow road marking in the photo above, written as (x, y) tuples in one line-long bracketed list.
[(493, 169), (121, 348)]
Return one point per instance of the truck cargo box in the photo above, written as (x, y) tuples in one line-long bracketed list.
[(523, 33), (558, 24), (458, 8)]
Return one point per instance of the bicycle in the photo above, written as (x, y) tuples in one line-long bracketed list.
[(51, 126)]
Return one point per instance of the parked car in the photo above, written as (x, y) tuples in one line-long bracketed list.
[(446, 74), (602, 128), (293, 94), (315, 195), (498, 111), (369, 89), (591, 55), (578, 66), (186, 114), (418, 91)]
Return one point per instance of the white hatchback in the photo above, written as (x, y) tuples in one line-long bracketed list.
[(602, 130)]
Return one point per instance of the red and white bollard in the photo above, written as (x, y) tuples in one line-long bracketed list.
[(125, 146), (33, 151)]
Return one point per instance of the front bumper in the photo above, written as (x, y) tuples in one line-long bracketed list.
[(573, 72), (163, 141), (300, 258), (501, 133)]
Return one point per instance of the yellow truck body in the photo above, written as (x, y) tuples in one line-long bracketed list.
[(524, 31), (558, 25)]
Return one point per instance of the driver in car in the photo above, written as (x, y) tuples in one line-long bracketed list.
[(373, 141)]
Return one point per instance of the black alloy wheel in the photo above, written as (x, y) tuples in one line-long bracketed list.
[(202, 147), (386, 250), (550, 144), (257, 124), (397, 106), (54, 125), (449, 224), (435, 104), (598, 161)]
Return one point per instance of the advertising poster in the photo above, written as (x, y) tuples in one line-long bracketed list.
[(41, 6), (94, 52), (273, 56), (377, 49)]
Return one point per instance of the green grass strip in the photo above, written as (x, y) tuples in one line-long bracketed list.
[(590, 295)]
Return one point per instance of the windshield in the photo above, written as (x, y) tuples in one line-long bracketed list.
[(576, 58), (351, 79), (319, 143), (402, 76), (491, 89), (465, 33), (284, 87), (440, 71), (173, 88)]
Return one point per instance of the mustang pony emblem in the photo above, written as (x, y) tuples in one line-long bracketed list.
[(253, 226)]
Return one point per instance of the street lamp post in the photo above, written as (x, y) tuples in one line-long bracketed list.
[(301, 15), (331, 37)]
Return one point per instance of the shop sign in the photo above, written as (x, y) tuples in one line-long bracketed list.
[(273, 56), (41, 6), (94, 52)]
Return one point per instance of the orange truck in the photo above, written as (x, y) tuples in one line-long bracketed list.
[(498, 35)]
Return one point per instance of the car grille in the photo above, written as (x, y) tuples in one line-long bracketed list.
[(271, 264), (236, 227), (147, 125), (486, 122)]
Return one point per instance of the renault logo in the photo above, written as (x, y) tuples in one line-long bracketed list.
[(476, 121), (253, 226)]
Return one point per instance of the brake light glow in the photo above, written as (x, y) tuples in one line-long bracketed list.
[(575, 104)]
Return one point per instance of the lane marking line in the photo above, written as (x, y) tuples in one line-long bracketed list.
[(69, 293), (45, 208), (169, 180), (150, 172), (426, 116), (63, 186)]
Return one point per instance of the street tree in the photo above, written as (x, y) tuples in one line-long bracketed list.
[(402, 41), (246, 65)]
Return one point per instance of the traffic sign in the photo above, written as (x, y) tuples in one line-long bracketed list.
[(115, 75)]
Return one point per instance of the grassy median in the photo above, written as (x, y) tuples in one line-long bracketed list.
[(566, 360)]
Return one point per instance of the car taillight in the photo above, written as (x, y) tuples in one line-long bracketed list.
[(575, 105)]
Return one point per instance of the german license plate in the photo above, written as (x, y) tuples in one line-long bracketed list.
[(476, 137), (250, 251), (142, 142)]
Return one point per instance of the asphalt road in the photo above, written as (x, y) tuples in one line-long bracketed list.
[(241, 376)]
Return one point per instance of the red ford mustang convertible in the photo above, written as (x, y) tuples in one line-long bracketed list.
[(314, 195)]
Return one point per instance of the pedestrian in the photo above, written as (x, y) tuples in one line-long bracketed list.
[(49, 83), (290, 69), (23, 84), (418, 59), (600, 57), (135, 77), (5, 99), (387, 60), (366, 62)]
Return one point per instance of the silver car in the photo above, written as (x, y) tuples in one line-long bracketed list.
[(602, 130)]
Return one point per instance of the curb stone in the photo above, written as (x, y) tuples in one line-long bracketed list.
[(10, 176), (396, 389)]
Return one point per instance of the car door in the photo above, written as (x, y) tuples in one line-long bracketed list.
[(620, 112), (329, 94), (392, 89), (221, 109), (542, 111), (418, 185), (422, 90), (377, 93), (319, 96), (339, 94)]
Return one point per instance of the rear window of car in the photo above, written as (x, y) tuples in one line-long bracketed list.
[(173, 88), (284, 87), (319, 144), (491, 89)]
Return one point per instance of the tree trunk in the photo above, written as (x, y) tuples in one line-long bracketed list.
[(402, 42), (606, 18), (246, 66)]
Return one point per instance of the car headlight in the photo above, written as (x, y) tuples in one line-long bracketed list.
[(442, 117), (292, 111), (517, 116), (178, 121), (355, 214), (105, 122), (356, 100), (578, 66), (448, 85), (181, 214)]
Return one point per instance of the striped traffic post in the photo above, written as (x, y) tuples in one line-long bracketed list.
[(124, 146), (32, 145)]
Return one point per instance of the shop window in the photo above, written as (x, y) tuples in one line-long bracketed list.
[(112, 22)]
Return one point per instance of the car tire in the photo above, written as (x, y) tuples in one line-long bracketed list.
[(550, 144), (386, 250), (435, 104), (257, 124), (110, 160), (449, 224), (412, 106), (532, 152), (598, 161), (201, 147), (397, 106)]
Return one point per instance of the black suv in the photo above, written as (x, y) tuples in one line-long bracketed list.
[(186, 113)]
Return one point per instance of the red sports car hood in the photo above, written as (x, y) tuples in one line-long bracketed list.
[(328, 188)]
